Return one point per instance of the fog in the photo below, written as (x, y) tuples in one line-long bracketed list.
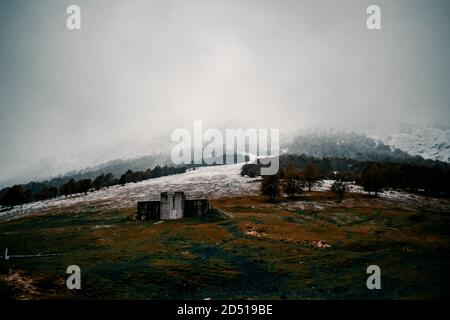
[(141, 68)]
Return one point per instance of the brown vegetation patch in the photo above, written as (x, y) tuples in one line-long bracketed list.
[(22, 284)]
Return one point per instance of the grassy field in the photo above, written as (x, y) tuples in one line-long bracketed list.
[(262, 250)]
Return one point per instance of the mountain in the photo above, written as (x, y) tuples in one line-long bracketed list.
[(116, 158), (395, 144), (428, 142), (341, 143)]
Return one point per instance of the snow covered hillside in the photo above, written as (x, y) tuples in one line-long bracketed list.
[(374, 143), (362, 143), (214, 182), (328, 142), (427, 142)]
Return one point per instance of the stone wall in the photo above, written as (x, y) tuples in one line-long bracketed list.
[(196, 207), (172, 205)]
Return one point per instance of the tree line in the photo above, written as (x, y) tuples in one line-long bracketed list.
[(36, 191), (298, 172)]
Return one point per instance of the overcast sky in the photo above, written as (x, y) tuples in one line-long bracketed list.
[(139, 67)]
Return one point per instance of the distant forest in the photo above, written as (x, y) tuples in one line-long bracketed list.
[(432, 178), (93, 179), (35, 191)]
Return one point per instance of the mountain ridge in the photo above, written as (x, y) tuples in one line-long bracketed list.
[(405, 143)]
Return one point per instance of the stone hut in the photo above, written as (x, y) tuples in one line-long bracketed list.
[(172, 206)]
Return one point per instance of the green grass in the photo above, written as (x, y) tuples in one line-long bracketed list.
[(212, 256)]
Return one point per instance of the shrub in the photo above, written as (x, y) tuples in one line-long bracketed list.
[(311, 175), (339, 188), (270, 187)]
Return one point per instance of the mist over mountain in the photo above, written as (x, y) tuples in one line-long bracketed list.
[(427, 141), (73, 99), (407, 143), (342, 144), (134, 154), (398, 142)]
